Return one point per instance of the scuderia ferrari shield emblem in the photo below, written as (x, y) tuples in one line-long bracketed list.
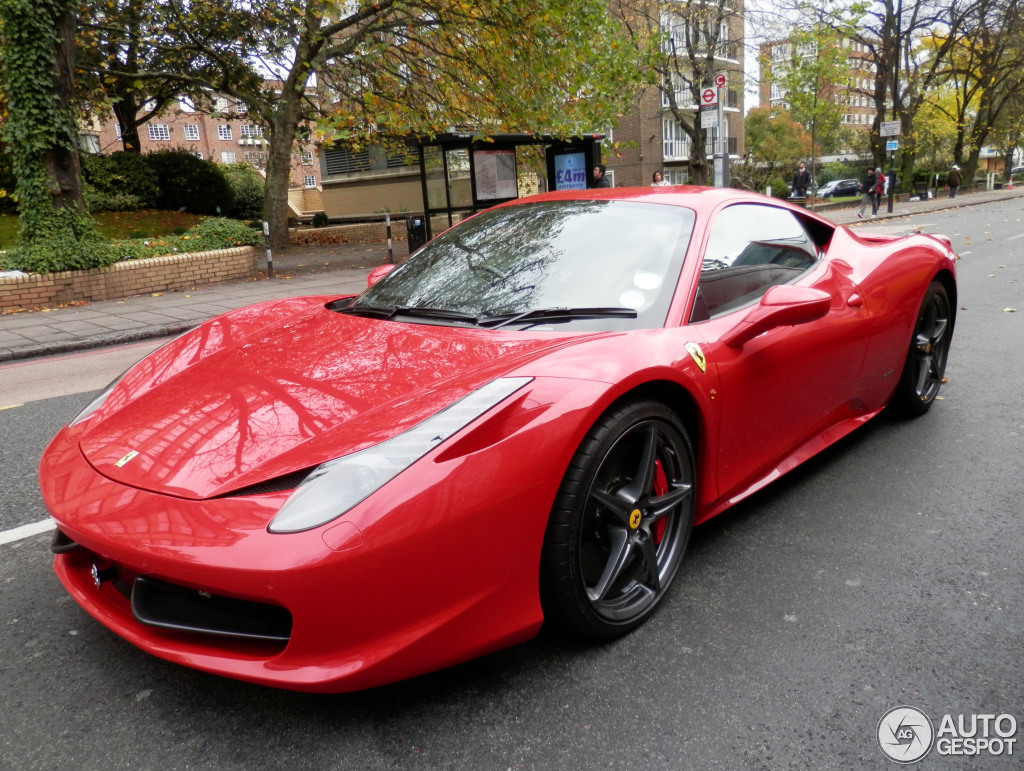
[(125, 459), (698, 356)]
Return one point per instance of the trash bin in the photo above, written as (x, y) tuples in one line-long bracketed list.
[(415, 232)]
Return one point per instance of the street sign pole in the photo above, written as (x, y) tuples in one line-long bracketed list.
[(891, 128), (722, 137)]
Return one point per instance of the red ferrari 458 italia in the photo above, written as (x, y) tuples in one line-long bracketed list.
[(520, 424)]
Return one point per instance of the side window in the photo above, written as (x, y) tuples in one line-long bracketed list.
[(751, 248)]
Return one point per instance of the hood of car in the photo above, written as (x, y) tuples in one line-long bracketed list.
[(311, 387)]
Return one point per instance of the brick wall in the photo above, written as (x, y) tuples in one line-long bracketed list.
[(124, 279)]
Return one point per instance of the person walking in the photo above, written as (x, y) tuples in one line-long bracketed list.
[(801, 181), (867, 193), (953, 179), (879, 191)]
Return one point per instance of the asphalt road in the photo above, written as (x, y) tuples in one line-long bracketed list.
[(888, 571)]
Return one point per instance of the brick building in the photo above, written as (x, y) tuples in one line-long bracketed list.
[(224, 134), (856, 93), (648, 139)]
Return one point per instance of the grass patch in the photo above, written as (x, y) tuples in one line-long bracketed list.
[(145, 223)]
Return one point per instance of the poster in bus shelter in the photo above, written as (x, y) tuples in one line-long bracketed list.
[(495, 172), (571, 171)]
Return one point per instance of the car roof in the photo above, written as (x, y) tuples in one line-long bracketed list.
[(702, 200)]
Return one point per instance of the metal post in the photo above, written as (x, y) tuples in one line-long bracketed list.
[(266, 242), (387, 225), (892, 180), (723, 139)]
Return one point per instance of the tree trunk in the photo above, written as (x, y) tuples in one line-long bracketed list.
[(61, 162), (279, 164), (126, 110)]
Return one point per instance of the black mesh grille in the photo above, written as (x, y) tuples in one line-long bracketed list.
[(275, 485)]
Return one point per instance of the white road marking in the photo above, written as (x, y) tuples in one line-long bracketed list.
[(26, 531), (1014, 238)]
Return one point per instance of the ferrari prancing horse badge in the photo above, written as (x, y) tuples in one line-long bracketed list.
[(698, 356)]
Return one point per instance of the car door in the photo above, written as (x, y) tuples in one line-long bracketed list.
[(785, 386)]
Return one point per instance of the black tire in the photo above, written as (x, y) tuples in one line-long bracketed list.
[(620, 523), (925, 366)]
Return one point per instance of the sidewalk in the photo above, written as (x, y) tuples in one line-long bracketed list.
[(298, 271)]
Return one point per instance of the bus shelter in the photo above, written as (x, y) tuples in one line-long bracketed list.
[(462, 175)]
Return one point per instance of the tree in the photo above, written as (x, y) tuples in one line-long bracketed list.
[(817, 85), (775, 143), (680, 43), (132, 60), (984, 71), (41, 132), (357, 71)]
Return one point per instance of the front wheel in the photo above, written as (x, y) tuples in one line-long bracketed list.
[(620, 523), (926, 359)]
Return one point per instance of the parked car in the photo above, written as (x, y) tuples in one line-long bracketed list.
[(518, 425), (839, 187)]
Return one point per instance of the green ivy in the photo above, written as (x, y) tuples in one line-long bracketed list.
[(55, 235)]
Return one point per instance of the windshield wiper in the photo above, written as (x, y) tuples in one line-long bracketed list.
[(415, 311), (555, 314)]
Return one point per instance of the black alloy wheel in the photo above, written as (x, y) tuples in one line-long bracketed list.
[(929, 349), (620, 523)]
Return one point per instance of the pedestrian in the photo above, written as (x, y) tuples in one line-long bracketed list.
[(657, 180), (879, 191), (801, 181), (867, 193), (953, 179), (600, 178)]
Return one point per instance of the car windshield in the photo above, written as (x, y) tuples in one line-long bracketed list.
[(593, 265)]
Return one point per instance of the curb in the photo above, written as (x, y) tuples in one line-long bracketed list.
[(97, 341)]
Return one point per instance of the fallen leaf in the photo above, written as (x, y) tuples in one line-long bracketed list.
[(157, 294), (1009, 310)]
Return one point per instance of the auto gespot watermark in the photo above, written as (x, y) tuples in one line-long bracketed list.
[(906, 734)]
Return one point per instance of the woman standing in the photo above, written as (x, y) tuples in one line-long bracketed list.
[(657, 180)]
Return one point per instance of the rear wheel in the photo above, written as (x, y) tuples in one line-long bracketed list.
[(926, 360), (620, 523)]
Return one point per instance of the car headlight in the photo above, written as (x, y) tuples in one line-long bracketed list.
[(336, 486)]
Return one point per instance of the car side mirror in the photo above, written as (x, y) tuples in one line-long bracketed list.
[(779, 307), (378, 273)]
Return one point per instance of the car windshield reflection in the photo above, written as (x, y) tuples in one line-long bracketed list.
[(578, 264)]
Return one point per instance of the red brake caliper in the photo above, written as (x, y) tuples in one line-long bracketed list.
[(660, 488)]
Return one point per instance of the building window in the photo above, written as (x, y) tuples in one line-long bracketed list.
[(223, 132), (191, 132), (89, 143), (307, 158), (221, 104), (676, 142), (241, 107), (681, 90), (675, 176), (256, 159), (309, 180), (249, 131), (159, 132), (227, 157)]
